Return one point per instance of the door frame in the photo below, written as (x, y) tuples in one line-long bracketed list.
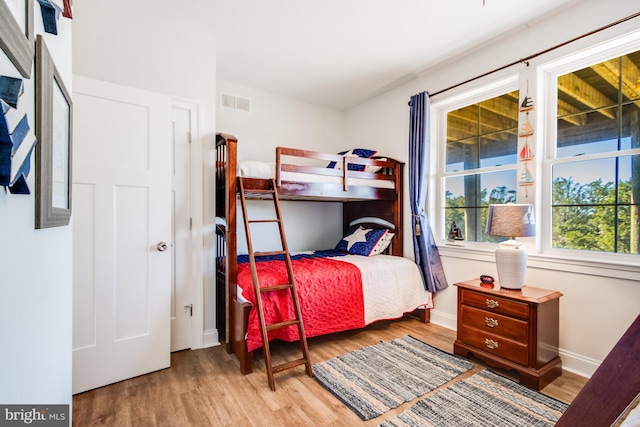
[(196, 284)]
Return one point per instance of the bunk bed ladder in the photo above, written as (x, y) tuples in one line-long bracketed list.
[(290, 286)]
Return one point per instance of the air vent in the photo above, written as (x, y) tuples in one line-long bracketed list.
[(235, 102)]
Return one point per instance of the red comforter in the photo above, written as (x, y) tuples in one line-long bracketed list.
[(329, 290)]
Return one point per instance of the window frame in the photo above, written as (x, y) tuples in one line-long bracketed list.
[(548, 74), (542, 73), (500, 85)]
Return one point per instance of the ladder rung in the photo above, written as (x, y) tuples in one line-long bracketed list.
[(258, 190), (276, 288), (269, 253), (282, 324), (289, 365), (263, 220)]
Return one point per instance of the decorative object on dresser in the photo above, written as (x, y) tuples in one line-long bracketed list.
[(511, 220), (513, 330)]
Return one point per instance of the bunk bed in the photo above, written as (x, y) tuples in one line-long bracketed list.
[(370, 190)]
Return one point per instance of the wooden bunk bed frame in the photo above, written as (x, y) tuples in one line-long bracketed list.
[(358, 202)]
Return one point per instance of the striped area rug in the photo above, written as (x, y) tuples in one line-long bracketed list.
[(375, 379), (484, 399)]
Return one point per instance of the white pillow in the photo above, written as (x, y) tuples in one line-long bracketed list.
[(254, 169)]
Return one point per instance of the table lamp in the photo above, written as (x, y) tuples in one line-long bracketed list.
[(511, 220)]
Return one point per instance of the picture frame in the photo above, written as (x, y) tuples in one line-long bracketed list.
[(16, 34), (54, 124)]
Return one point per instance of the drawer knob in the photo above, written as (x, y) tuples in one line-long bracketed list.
[(492, 323), (492, 303), (491, 343)]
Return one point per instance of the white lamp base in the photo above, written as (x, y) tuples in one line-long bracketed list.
[(511, 262)]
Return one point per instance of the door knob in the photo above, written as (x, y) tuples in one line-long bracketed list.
[(162, 246)]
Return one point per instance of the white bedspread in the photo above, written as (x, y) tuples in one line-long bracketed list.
[(391, 285)]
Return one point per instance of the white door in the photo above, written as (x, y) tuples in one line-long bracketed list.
[(181, 300), (121, 217)]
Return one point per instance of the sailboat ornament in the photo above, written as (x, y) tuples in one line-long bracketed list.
[(526, 153), (527, 102), (526, 179), (526, 106)]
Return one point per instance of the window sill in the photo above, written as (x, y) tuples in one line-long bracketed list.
[(591, 267)]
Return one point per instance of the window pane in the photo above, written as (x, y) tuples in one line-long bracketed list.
[(629, 65), (596, 205), (498, 149), (630, 127), (598, 109), (498, 187), (584, 183), (461, 191), (499, 114), (462, 123), (627, 221), (588, 133), (587, 228), (462, 155), (591, 88), (483, 134), (629, 180)]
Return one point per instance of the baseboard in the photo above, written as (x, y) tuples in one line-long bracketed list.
[(571, 362), (577, 364), (443, 319), (211, 338)]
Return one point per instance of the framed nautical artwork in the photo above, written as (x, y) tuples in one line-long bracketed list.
[(16, 33), (54, 114)]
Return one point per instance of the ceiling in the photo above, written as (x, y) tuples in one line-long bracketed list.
[(338, 53)]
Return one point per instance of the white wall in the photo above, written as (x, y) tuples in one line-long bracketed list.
[(278, 121), (35, 273), (595, 310)]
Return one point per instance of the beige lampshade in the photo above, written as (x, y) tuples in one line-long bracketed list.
[(511, 220)]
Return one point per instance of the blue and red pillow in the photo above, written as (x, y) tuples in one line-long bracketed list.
[(365, 241), (354, 152)]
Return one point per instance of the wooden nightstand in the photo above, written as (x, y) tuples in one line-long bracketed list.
[(510, 329)]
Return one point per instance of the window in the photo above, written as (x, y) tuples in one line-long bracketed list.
[(480, 162), (595, 171), (575, 155)]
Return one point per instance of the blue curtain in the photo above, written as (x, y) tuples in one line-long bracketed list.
[(424, 245)]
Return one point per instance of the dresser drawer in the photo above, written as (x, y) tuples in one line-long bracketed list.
[(495, 304), (495, 344), (494, 323)]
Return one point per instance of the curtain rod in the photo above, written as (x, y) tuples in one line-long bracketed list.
[(526, 59)]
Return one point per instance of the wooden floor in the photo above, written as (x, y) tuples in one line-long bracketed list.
[(205, 388)]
